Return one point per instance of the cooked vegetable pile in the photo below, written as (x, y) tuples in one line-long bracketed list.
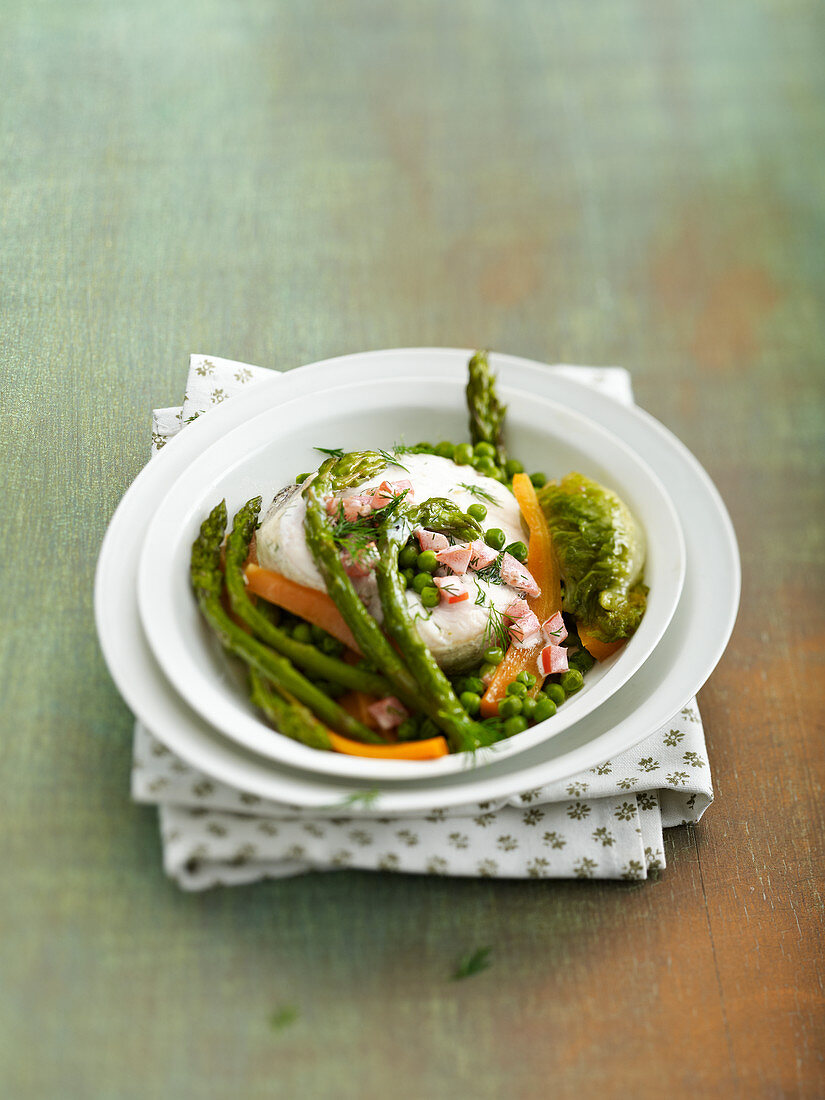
[(408, 628)]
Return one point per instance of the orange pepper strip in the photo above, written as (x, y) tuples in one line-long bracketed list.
[(314, 606), (600, 650), (541, 561), (430, 749)]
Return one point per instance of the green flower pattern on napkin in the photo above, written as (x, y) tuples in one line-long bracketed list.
[(605, 824)]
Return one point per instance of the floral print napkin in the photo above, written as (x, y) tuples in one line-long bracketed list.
[(605, 823)]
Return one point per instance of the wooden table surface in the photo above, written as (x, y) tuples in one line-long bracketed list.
[(637, 183)]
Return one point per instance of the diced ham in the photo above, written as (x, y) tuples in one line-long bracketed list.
[(388, 712), (554, 629), (481, 555), (361, 566), (431, 540), (518, 576), (525, 627), (456, 557), (451, 589), (389, 490), (354, 506), (517, 609), (553, 658)]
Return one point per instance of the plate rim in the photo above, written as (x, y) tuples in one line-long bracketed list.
[(204, 748)]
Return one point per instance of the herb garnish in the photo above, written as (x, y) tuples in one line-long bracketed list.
[(283, 1017), (496, 628), (477, 491), (333, 452), (492, 572), (473, 963), (355, 535), (360, 798), (392, 460)]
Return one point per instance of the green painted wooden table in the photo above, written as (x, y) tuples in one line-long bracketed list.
[(636, 183)]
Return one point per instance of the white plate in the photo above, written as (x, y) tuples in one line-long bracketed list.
[(264, 453), (687, 654)]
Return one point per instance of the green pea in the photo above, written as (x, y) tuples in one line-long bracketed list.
[(512, 467), (445, 449), (408, 556), (470, 701), (458, 684), (572, 681), (301, 478), (408, 730), (526, 678), (516, 687), (486, 671), (430, 597), (556, 693), (538, 480), (509, 706), (425, 448), (463, 454), (422, 581), (514, 725), (478, 512), (518, 550), (545, 708), (486, 466), (317, 632), (484, 450), (409, 577), (581, 660), (528, 707), (426, 561), (494, 656), (331, 646), (427, 729), (474, 683), (302, 633), (495, 538)]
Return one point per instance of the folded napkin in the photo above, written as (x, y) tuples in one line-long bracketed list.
[(604, 823)]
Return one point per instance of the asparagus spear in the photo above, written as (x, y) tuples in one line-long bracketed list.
[(307, 657), (486, 411), (207, 582), (338, 474), (290, 717), (437, 696)]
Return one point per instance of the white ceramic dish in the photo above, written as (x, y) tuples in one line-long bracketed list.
[(263, 454), (685, 657)]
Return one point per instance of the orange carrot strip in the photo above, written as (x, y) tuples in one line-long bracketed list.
[(541, 561), (600, 650), (430, 749), (314, 606)]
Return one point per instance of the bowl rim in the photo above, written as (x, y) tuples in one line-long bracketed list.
[(252, 733)]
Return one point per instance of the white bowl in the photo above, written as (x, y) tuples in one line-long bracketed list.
[(263, 454)]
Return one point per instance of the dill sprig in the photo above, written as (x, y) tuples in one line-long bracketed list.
[(496, 628), (333, 452), (479, 492), (491, 573), (366, 799), (391, 459), (355, 535), (473, 963), (283, 1017)]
